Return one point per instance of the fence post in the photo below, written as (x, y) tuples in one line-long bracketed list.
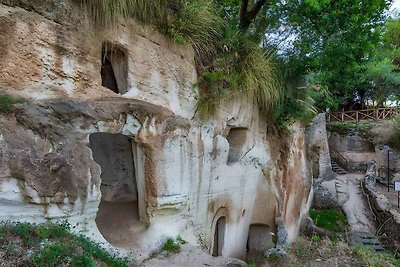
[(357, 116)]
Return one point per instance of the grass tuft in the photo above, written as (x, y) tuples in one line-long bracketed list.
[(331, 219), (171, 245), (324, 252), (51, 245)]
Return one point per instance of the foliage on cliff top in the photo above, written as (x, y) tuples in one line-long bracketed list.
[(231, 63), (24, 244), (379, 132), (363, 128), (194, 22)]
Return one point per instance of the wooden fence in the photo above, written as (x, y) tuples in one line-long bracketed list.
[(359, 115)]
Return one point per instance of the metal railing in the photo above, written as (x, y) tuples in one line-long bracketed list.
[(358, 115), (383, 171)]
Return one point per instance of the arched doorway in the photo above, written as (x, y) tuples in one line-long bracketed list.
[(219, 236)]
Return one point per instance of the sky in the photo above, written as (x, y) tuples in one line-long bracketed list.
[(396, 6)]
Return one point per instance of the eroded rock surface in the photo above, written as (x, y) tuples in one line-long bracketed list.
[(189, 173)]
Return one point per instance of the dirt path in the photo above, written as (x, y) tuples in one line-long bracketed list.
[(351, 199), (191, 257), (119, 223)]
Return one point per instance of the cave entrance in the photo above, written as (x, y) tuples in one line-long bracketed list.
[(219, 236), (236, 139), (259, 240), (114, 68), (118, 217)]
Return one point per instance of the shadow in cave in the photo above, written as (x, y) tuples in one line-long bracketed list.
[(118, 217)]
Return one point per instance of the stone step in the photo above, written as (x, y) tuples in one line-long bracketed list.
[(337, 168), (367, 240)]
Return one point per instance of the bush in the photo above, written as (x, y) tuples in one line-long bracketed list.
[(171, 245)]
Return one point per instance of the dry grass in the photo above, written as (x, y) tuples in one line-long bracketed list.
[(193, 22), (324, 252)]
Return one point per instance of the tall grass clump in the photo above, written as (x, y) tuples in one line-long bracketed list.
[(105, 13), (193, 22), (240, 69), (196, 23)]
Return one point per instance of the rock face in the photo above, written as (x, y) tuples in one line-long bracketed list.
[(136, 148), (318, 148), (359, 151)]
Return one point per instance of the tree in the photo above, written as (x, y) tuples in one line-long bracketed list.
[(331, 39), (383, 70), (248, 16)]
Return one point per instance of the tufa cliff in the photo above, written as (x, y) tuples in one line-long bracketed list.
[(109, 139)]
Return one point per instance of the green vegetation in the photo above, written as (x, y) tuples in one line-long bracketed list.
[(343, 128), (324, 252), (230, 61), (332, 57), (373, 259), (332, 41), (240, 69), (180, 240), (191, 22), (172, 245), (50, 245), (7, 102), (331, 219)]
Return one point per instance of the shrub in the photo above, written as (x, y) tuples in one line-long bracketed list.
[(171, 245)]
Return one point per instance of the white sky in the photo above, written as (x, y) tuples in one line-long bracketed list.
[(396, 6)]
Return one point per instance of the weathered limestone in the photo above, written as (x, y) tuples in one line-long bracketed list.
[(188, 173), (360, 148), (318, 149)]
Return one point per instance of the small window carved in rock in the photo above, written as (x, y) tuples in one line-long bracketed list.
[(236, 139), (114, 68)]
